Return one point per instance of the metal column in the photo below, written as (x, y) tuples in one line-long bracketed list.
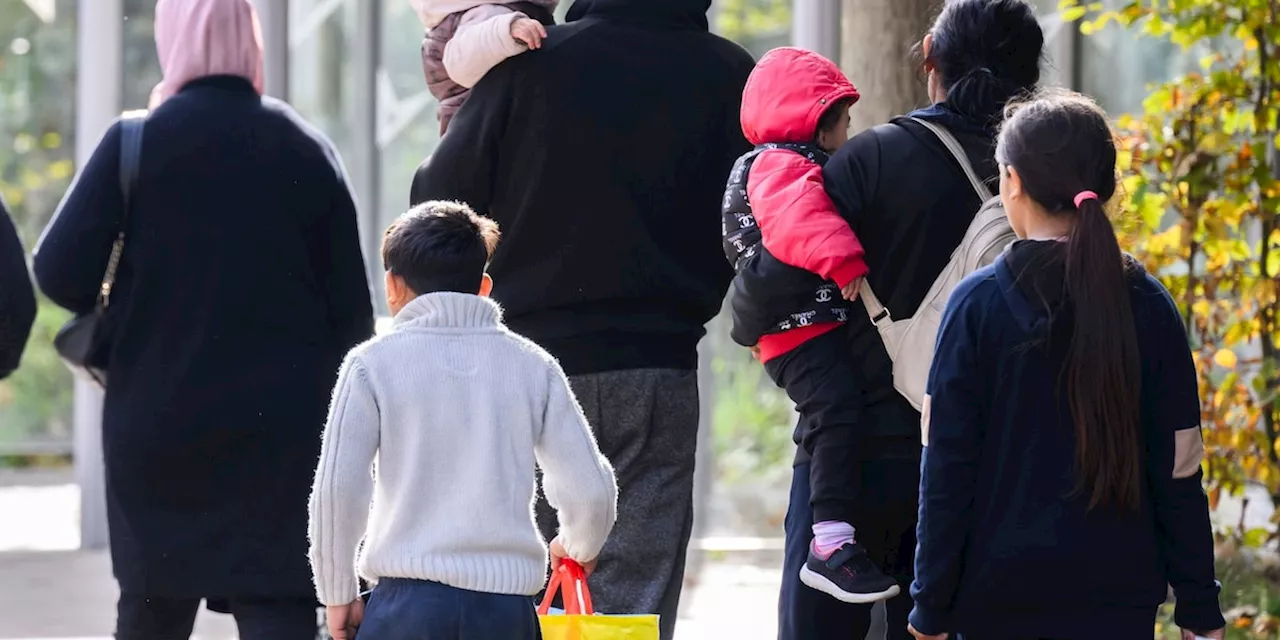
[(273, 15), (366, 169), (368, 176), (99, 60), (815, 25)]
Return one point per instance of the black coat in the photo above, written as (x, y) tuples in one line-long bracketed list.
[(910, 203), (17, 297), (603, 157), (241, 288)]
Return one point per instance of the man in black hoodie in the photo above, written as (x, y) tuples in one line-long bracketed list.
[(17, 297), (603, 157)]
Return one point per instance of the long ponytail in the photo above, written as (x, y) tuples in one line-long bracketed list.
[(1065, 156), (1102, 372)]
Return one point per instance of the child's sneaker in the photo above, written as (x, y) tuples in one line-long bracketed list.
[(848, 575)]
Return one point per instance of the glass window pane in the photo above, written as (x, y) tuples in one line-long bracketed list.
[(1118, 65), (321, 69), (37, 161), (141, 65), (757, 25), (407, 128)]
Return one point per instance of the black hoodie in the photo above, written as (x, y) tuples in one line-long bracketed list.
[(1007, 545), (603, 157), (17, 297)]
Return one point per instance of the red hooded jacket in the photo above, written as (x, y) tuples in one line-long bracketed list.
[(784, 98)]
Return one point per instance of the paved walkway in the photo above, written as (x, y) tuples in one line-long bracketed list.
[(51, 591)]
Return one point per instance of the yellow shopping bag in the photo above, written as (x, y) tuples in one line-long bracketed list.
[(579, 621)]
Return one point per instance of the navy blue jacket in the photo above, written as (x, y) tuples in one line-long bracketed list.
[(17, 298), (1006, 544), (241, 288)]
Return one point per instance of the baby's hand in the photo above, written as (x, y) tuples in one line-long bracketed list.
[(529, 31), (850, 291)]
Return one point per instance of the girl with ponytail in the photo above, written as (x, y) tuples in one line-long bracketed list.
[(1060, 489), (910, 202)]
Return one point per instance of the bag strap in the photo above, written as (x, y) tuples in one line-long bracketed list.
[(949, 141), (875, 309), (131, 126), (571, 580)]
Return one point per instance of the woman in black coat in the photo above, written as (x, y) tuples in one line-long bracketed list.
[(241, 288), (910, 203), (17, 298)]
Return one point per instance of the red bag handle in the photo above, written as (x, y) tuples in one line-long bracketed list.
[(570, 580)]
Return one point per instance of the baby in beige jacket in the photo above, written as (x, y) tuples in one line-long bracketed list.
[(467, 38)]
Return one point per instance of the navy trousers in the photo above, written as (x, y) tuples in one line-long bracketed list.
[(419, 610), (886, 528)]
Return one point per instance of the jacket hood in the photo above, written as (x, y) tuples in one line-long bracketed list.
[(1033, 279), (672, 14), (787, 93), (956, 122)]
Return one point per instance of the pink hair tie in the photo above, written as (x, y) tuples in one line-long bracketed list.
[(1085, 195)]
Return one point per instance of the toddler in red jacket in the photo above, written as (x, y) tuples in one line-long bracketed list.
[(798, 266)]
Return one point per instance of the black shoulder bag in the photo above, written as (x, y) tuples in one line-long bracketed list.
[(85, 342)]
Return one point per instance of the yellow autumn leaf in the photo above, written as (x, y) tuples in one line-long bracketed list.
[(1225, 358), (1165, 240)]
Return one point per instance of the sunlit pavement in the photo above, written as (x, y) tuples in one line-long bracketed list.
[(51, 591)]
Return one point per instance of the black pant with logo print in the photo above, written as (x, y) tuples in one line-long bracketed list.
[(820, 377)]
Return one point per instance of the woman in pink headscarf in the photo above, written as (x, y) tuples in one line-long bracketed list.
[(240, 288)]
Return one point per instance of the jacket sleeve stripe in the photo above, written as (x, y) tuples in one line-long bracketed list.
[(924, 419), (1188, 452)]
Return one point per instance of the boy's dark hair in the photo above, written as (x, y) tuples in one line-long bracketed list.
[(1062, 146), (831, 116), (440, 246)]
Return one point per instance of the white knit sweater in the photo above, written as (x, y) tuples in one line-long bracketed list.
[(456, 410)]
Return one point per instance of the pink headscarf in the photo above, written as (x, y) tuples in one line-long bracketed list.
[(197, 38)]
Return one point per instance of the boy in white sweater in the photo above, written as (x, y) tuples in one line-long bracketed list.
[(455, 410), (467, 38)]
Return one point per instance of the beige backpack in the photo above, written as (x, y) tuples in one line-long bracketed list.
[(910, 341)]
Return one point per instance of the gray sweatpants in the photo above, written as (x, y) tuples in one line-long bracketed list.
[(646, 421)]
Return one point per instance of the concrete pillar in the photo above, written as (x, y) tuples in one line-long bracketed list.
[(815, 25), (273, 16), (99, 60), (704, 471)]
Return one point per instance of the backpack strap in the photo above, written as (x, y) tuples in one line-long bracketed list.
[(876, 310), (949, 141), (878, 313)]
